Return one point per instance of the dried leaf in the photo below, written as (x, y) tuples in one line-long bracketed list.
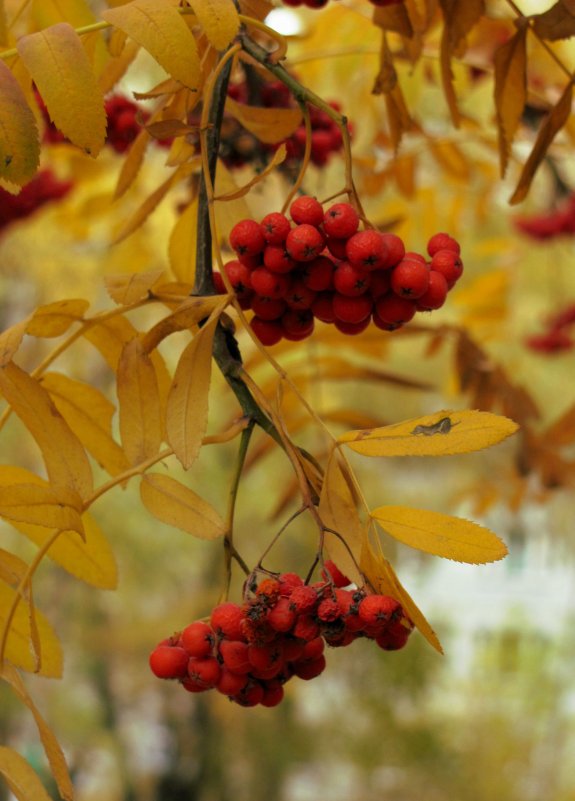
[(558, 22), (459, 19), (219, 19), (398, 118), (132, 163), (89, 414), (393, 18), (441, 434), (52, 748), (182, 245), (22, 780), (20, 649), (60, 68), (187, 414), (338, 511), (562, 431), (383, 579), (256, 9), (133, 287), (140, 411), (179, 506), (510, 90), (55, 319), (19, 138), (158, 27), (269, 125), (441, 535), (551, 126), (64, 456)]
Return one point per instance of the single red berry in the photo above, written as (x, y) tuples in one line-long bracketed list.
[(395, 249), (288, 582), (436, 293), (341, 221), (308, 210), (376, 609), (395, 310), (367, 250), (246, 237), (198, 639), (380, 283), (411, 255), (219, 285), (328, 610), (297, 324), (322, 307), (351, 281), (318, 274), (352, 310), (442, 241), (309, 670), (313, 649), (341, 638), (226, 620), (304, 600), (275, 228), (251, 695), (351, 329), (204, 672), (269, 284), (449, 264), (272, 695), (269, 332), (278, 260), (281, 617), (265, 657), (306, 628), (393, 638), (268, 590), (169, 662), (235, 655), (305, 242), (410, 279), (299, 296), (336, 247), (231, 683), (239, 276), (268, 308), (321, 146)]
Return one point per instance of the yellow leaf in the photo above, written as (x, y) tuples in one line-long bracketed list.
[(117, 66), (132, 163), (39, 505), (65, 459), (270, 125), (89, 414), (278, 157), (52, 748), (20, 649), (3, 25), (58, 64), (11, 339), (187, 315), (19, 139), (179, 506), (109, 337), (510, 90), (187, 413), (139, 403), (551, 126), (219, 19), (48, 12), (158, 27), (131, 288), (12, 568), (450, 157), (338, 511), (440, 434), (441, 535), (182, 245), (55, 319), (256, 9), (22, 780), (384, 580)]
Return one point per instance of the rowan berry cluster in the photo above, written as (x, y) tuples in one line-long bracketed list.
[(248, 652), (558, 336), (321, 266), (559, 222), (43, 188), (239, 147)]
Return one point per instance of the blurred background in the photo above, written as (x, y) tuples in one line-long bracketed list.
[(493, 719)]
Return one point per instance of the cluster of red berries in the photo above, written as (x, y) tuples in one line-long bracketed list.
[(248, 652), (322, 3), (559, 222), (323, 267), (42, 189), (557, 337), (239, 147)]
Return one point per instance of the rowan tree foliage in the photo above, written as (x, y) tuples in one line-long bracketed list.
[(238, 294)]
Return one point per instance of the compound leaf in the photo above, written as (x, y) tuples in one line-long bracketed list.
[(19, 137), (179, 506)]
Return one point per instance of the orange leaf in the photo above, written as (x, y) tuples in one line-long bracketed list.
[(393, 18), (58, 64), (132, 163), (55, 319), (177, 505), (551, 126), (269, 125), (19, 139), (510, 90)]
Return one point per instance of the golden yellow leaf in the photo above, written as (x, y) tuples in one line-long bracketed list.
[(219, 19), (187, 315), (510, 90), (451, 158), (182, 245), (278, 157), (398, 116), (39, 505), (89, 414), (140, 411), (11, 339), (48, 12), (270, 125), (58, 64), (558, 22), (109, 337), (187, 413), (19, 138), (551, 126), (20, 777), (117, 65), (179, 506), (440, 434), (158, 27), (52, 748), (338, 511), (3, 25), (130, 288), (256, 9), (384, 580), (55, 319), (132, 163), (20, 650), (64, 456), (441, 535), (12, 568)]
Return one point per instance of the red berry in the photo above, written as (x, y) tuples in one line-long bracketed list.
[(246, 237), (268, 308), (410, 279), (226, 620), (436, 293), (395, 249), (328, 610), (275, 228), (269, 284), (277, 259), (308, 210), (380, 283), (322, 307), (448, 263), (367, 250), (281, 617), (321, 146), (442, 241), (318, 274), (169, 662), (269, 332), (313, 650), (198, 639), (305, 242), (239, 276), (376, 609), (395, 310), (231, 683), (351, 329), (310, 670), (272, 695), (304, 599), (336, 247), (297, 324), (235, 656), (288, 582), (306, 628), (351, 281), (204, 672), (341, 221), (352, 310), (265, 657), (251, 695)]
